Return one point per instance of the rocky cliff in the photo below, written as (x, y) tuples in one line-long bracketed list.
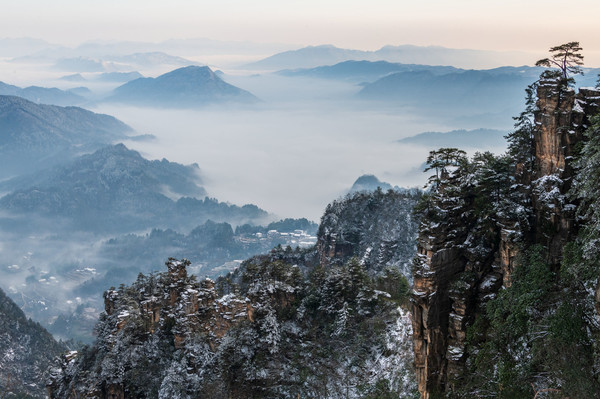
[(172, 305), (560, 120), (468, 248)]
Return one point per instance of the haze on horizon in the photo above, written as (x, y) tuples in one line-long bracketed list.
[(507, 25)]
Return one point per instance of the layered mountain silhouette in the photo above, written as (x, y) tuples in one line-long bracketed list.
[(474, 97), (116, 190), (466, 86), (186, 87), (42, 95), (313, 56), (120, 62)]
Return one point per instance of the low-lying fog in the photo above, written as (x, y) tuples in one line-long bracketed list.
[(302, 147), (290, 161)]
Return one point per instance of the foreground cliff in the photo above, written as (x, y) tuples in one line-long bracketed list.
[(501, 306), (282, 325)]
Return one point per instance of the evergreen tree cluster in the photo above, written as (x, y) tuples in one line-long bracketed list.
[(332, 332)]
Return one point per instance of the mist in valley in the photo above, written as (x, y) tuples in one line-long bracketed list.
[(300, 148)]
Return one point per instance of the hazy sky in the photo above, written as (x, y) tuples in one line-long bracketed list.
[(528, 25)]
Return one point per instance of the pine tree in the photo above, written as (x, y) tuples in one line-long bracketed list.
[(567, 59)]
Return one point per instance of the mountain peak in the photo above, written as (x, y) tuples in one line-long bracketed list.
[(188, 86), (369, 183)]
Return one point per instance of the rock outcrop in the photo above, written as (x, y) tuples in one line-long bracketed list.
[(174, 304), (449, 280), (561, 118), (462, 262), (377, 227)]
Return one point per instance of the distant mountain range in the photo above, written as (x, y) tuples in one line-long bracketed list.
[(467, 97), (18, 47), (116, 190), (313, 56), (42, 95), (478, 138), (186, 87), (360, 71), (26, 49), (35, 135), (116, 63), (120, 77), (467, 87), (454, 95)]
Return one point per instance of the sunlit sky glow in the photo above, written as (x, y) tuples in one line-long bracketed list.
[(531, 25)]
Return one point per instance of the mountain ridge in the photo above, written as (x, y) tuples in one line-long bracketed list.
[(313, 56), (36, 136)]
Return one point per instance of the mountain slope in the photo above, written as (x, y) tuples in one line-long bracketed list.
[(291, 323), (334, 332), (26, 352), (33, 135), (26, 125), (184, 87), (111, 185)]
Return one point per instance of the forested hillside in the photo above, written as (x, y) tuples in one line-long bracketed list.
[(26, 353)]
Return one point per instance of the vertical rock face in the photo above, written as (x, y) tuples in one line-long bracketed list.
[(560, 121), (462, 262), (449, 279)]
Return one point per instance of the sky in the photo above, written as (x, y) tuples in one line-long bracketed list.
[(531, 25)]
